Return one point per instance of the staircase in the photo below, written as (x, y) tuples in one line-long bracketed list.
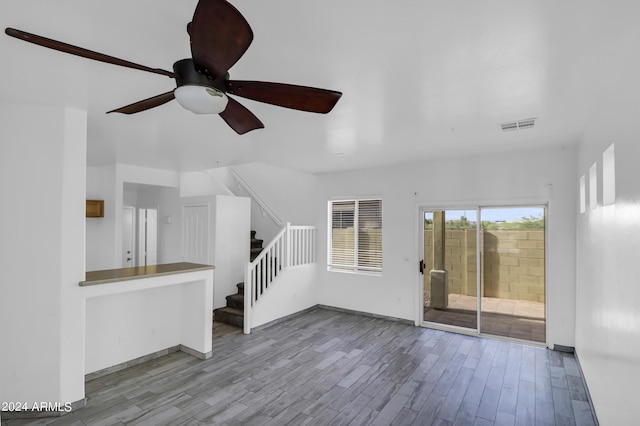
[(256, 246), (233, 313)]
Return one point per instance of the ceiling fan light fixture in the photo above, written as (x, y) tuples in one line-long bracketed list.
[(201, 99)]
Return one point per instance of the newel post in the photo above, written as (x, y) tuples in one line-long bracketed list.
[(248, 296)]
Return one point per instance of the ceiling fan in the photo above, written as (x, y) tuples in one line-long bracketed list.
[(219, 37)]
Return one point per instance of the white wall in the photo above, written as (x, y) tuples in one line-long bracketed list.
[(104, 235), (608, 251), (287, 193), (508, 178), (294, 291), (42, 185), (101, 231), (231, 244), (193, 184)]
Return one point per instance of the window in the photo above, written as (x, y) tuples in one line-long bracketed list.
[(355, 243)]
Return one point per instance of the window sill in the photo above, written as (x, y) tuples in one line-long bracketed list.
[(355, 272)]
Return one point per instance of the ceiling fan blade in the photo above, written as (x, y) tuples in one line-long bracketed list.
[(79, 51), (291, 96), (145, 104), (219, 37), (240, 118)]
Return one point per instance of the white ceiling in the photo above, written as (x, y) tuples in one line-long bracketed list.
[(421, 78)]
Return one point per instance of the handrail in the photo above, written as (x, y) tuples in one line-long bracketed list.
[(269, 246), (261, 271), (255, 197), (216, 180)]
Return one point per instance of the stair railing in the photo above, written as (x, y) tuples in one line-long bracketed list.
[(301, 245), (292, 246)]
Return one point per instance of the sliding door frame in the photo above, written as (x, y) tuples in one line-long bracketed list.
[(478, 207)]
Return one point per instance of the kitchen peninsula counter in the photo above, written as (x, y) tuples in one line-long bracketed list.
[(134, 314), (124, 274)]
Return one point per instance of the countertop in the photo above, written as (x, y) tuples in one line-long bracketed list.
[(123, 274)]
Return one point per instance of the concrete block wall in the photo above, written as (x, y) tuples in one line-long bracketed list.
[(513, 264)]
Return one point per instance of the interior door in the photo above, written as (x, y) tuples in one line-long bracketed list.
[(195, 234), (128, 236), (147, 236)]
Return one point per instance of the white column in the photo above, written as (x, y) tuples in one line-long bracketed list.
[(42, 188)]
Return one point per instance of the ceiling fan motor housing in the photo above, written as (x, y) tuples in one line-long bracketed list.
[(189, 76)]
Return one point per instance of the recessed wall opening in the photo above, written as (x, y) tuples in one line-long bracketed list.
[(593, 186), (608, 176), (583, 194)]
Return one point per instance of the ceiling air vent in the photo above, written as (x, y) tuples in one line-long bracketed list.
[(517, 125)]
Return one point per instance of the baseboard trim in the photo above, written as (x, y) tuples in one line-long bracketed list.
[(586, 388), (367, 314), (197, 354), (136, 361), (285, 318), (65, 408), (145, 358)]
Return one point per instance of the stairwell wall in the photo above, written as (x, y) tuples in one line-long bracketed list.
[(293, 292), (287, 193)]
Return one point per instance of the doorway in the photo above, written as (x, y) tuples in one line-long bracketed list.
[(147, 236), (484, 270)]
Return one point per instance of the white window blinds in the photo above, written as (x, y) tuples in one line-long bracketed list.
[(356, 235)]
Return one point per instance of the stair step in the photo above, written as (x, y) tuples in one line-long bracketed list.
[(229, 316), (240, 287), (256, 243), (235, 301)]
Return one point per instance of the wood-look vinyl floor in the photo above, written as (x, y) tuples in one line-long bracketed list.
[(325, 367)]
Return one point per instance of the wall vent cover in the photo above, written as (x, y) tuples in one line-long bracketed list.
[(517, 125)]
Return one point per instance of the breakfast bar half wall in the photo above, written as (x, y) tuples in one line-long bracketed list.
[(132, 313)]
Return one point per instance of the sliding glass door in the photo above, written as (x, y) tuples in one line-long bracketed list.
[(450, 266), (513, 272), (484, 270)]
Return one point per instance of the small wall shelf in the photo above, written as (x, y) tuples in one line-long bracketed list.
[(95, 208)]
